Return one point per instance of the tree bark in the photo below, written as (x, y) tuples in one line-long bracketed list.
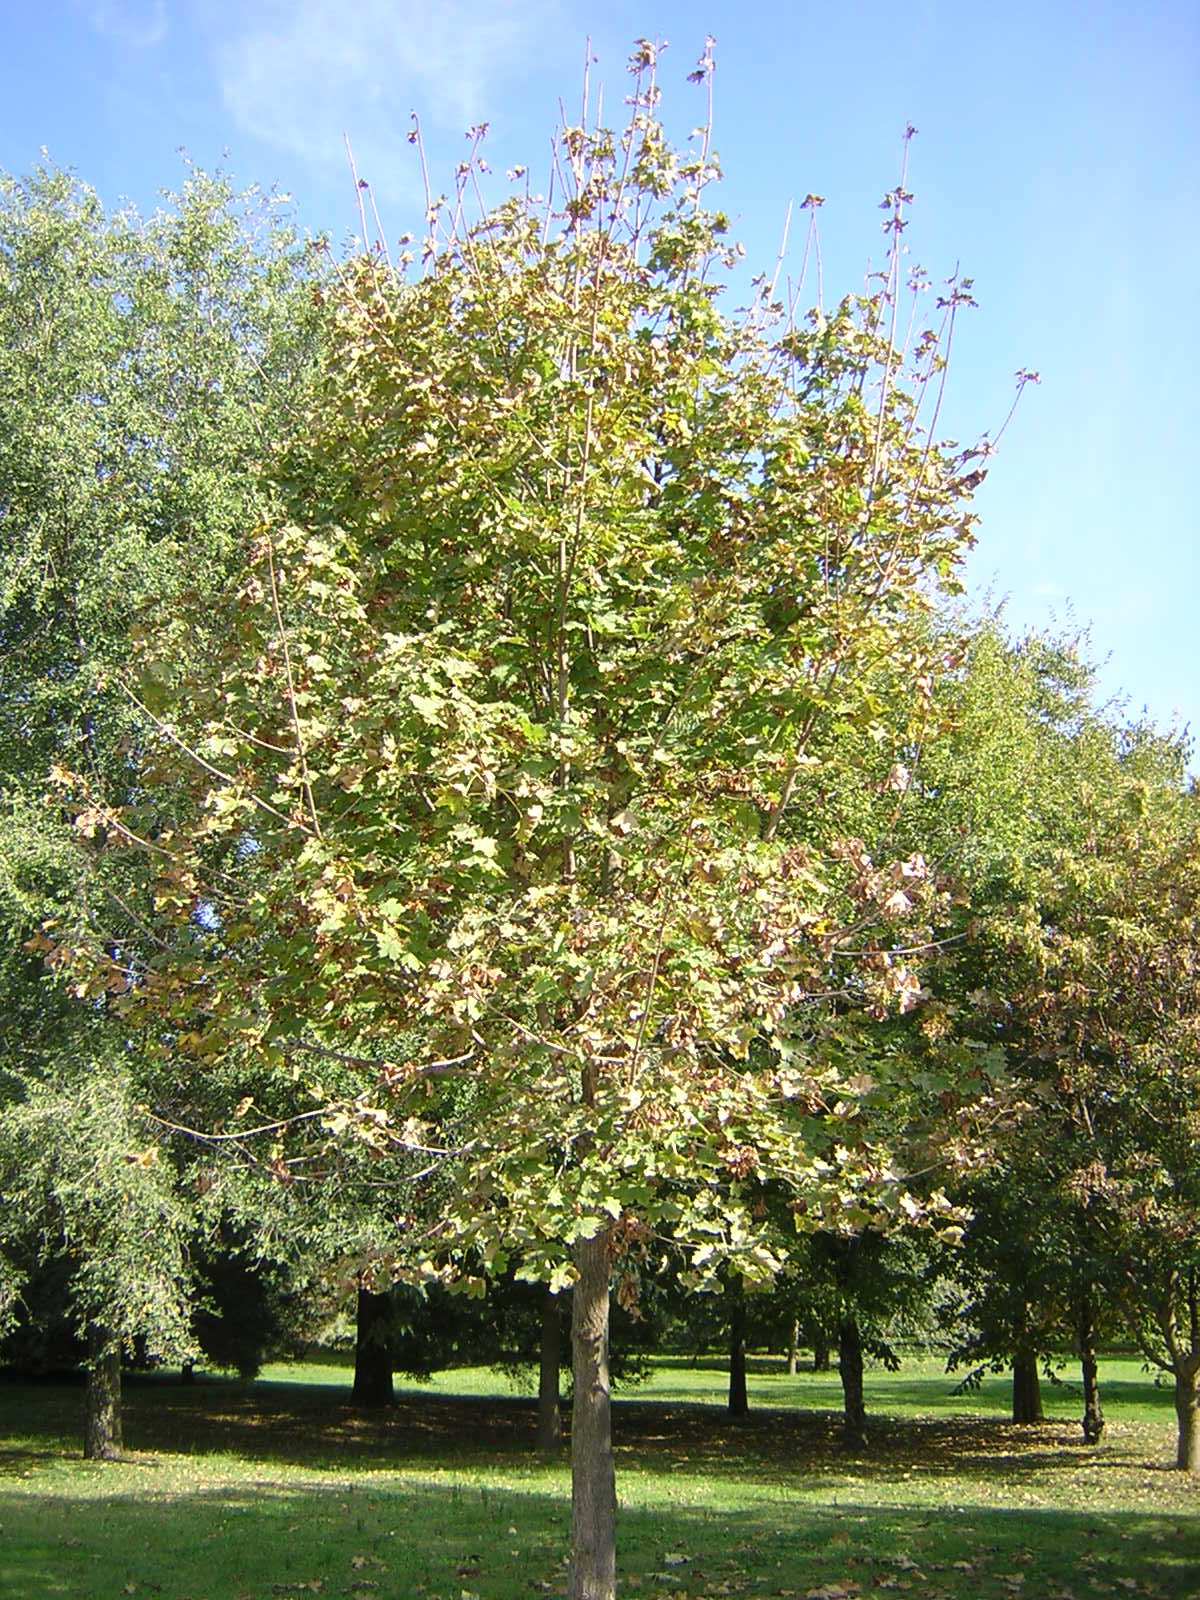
[(793, 1350), (820, 1355), (549, 1418), (739, 1404), (102, 1397), (372, 1353), (850, 1363), (1026, 1388), (1187, 1415), (592, 1574), (1093, 1413)]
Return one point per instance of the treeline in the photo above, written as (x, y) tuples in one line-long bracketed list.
[(498, 788)]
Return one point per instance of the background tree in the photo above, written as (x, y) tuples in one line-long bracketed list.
[(143, 366), (1033, 805), (73, 1168), (1115, 1021)]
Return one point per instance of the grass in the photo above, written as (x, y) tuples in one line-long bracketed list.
[(243, 1492)]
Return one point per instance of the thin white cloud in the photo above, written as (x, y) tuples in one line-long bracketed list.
[(135, 23), (301, 75)]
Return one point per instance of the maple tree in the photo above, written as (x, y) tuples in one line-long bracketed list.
[(486, 810)]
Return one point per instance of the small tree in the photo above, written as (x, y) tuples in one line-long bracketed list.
[(498, 774), (78, 1177)]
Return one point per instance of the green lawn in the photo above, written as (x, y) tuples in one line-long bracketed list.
[(242, 1492), (922, 1388)]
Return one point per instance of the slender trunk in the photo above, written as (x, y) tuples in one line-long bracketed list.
[(102, 1397), (1093, 1414), (793, 1349), (850, 1363), (372, 1352), (1026, 1388), (739, 1404), (1187, 1415), (549, 1419), (820, 1354), (592, 1574)]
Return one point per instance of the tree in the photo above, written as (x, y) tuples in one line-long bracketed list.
[(492, 770), (142, 365), (991, 802), (1069, 965), (72, 1166), (1115, 1018)]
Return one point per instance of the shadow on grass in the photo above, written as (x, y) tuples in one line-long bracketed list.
[(318, 1428), (441, 1497), (394, 1540)]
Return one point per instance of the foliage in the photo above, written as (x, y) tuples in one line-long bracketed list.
[(1071, 967), (73, 1174), (491, 777), (143, 364)]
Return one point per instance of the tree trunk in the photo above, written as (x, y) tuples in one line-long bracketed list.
[(850, 1362), (1093, 1414), (793, 1350), (372, 1352), (1187, 1416), (820, 1354), (102, 1397), (1026, 1388), (593, 1568), (549, 1419), (739, 1404)]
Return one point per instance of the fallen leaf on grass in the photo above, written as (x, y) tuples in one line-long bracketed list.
[(675, 1558), (834, 1591)]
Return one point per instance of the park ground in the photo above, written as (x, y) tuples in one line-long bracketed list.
[(236, 1491)]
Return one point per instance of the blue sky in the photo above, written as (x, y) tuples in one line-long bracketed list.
[(1058, 159)]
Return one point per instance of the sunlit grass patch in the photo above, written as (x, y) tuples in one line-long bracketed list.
[(278, 1488)]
